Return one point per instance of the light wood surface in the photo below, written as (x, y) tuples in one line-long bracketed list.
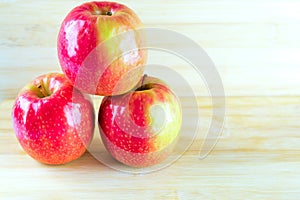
[(257, 157), (255, 46)]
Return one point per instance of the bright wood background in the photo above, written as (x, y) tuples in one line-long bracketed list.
[(255, 46)]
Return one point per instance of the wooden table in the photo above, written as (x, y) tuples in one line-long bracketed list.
[(255, 47)]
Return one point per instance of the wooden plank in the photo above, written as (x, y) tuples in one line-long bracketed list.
[(253, 123), (261, 47), (170, 11), (209, 35), (244, 71), (259, 158), (210, 23), (255, 47), (38, 34)]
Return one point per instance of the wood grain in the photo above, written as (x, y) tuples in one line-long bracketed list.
[(254, 45), (257, 157)]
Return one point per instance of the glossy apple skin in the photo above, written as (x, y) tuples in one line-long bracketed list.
[(95, 61), (133, 130), (55, 129)]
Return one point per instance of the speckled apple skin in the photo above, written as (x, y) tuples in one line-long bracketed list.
[(54, 129), (126, 125), (87, 61)]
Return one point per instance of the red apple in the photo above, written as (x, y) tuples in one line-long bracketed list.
[(141, 127), (53, 121), (99, 46)]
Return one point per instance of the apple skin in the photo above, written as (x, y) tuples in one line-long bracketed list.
[(53, 121), (140, 128), (87, 45)]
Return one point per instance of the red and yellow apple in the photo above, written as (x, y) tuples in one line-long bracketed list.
[(99, 46), (53, 121), (140, 128)]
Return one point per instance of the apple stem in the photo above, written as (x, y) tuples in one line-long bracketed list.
[(109, 13), (43, 89), (143, 79)]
